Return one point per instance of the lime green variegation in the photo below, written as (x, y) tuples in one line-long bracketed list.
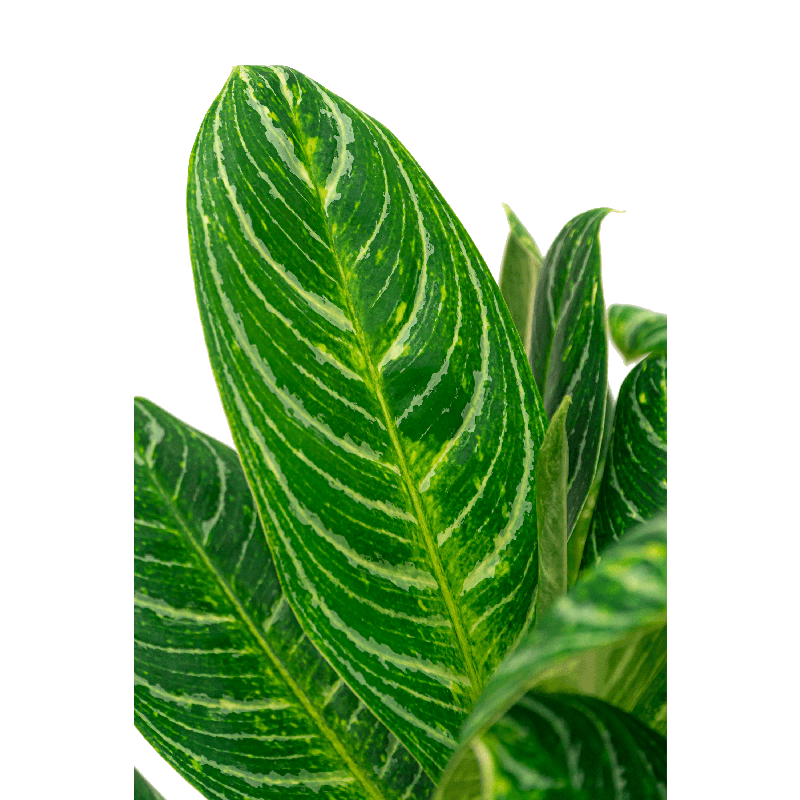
[(377, 394), (592, 641), (143, 789), (569, 346), (227, 687), (636, 331), (634, 485), (519, 273)]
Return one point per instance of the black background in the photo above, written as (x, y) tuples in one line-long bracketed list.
[(549, 147)]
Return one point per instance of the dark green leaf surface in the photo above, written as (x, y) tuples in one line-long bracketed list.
[(634, 485), (569, 346), (587, 643), (227, 687), (377, 394), (143, 789), (636, 331), (519, 273), (549, 747), (551, 511)]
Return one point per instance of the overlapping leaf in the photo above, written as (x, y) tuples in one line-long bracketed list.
[(636, 331), (595, 640), (634, 485), (569, 346), (227, 687), (376, 392), (143, 789)]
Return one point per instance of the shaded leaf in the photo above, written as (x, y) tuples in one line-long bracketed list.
[(143, 789), (569, 346), (377, 394), (519, 273), (551, 511), (227, 688), (636, 331)]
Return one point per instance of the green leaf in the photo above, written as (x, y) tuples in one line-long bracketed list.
[(551, 510), (377, 394), (228, 689), (577, 541), (636, 331), (549, 747), (592, 640), (519, 274), (569, 349), (143, 789), (634, 486)]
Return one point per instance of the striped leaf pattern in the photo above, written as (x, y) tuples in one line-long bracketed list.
[(569, 346), (591, 640), (227, 686), (377, 394), (552, 746), (634, 485), (636, 331), (143, 789)]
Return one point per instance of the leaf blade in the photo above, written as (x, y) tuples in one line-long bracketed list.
[(569, 346), (227, 687), (331, 370), (143, 789), (637, 331)]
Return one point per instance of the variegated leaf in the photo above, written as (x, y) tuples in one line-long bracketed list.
[(596, 640), (143, 789), (377, 394), (634, 485), (227, 687), (569, 346), (636, 331)]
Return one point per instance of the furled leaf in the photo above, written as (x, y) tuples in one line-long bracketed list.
[(377, 394), (519, 273), (636, 331), (583, 524), (551, 510), (227, 687), (569, 346), (143, 789), (554, 746), (634, 486), (591, 641)]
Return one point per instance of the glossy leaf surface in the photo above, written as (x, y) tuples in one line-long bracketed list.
[(143, 789), (519, 273), (551, 511), (634, 485), (587, 642), (569, 346), (377, 394), (636, 331), (227, 687)]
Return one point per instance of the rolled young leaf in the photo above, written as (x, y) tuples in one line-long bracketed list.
[(589, 641), (519, 273), (377, 394), (569, 346), (227, 688), (143, 789), (551, 510), (636, 331), (634, 485), (552, 746)]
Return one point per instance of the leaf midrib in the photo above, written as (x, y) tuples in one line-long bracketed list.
[(373, 791), (391, 428)]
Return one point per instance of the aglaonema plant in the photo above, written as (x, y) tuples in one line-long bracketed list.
[(435, 564)]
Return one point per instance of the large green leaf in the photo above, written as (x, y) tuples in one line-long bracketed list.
[(569, 346), (634, 485), (554, 746), (519, 273), (227, 687), (636, 331), (377, 394), (594, 641), (143, 789)]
